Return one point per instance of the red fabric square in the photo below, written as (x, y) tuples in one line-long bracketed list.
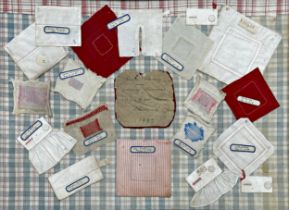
[(254, 86), (90, 128), (99, 50)]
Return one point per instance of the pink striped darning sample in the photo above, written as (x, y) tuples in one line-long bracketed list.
[(143, 168)]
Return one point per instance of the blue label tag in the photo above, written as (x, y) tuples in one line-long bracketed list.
[(56, 30), (172, 62), (119, 21), (142, 149), (182, 145), (30, 130), (194, 132), (77, 184), (95, 138), (242, 148), (71, 73)]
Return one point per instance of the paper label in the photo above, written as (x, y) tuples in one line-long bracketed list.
[(56, 30), (71, 73), (257, 184), (204, 174), (117, 22), (248, 26), (34, 133), (142, 149), (95, 138), (196, 16), (187, 148), (77, 184), (242, 148), (247, 100), (172, 62)]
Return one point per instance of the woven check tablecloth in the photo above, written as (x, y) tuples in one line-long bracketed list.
[(22, 188)]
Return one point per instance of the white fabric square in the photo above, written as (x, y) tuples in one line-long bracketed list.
[(142, 30), (204, 99), (78, 84), (77, 177), (184, 49), (193, 135), (58, 26), (242, 147), (31, 97), (240, 45), (46, 146), (33, 60)]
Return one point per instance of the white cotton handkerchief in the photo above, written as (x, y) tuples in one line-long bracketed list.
[(141, 34), (184, 49), (242, 147), (46, 146), (77, 177), (240, 45), (31, 59), (58, 26), (78, 84)]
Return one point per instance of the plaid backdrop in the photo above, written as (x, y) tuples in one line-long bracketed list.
[(22, 188)]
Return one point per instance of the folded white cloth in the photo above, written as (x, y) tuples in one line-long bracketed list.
[(46, 146), (76, 177), (193, 135), (31, 97), (31, 59), (58, 26), (242, 147), (222, 184), (142, 30), (184, 49), (240, 45), (204, 99), (78, 84)]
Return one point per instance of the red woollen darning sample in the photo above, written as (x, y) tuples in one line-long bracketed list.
[(252, 86), (99, 50)]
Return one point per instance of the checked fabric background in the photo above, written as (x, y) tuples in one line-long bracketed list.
[(22, 188)]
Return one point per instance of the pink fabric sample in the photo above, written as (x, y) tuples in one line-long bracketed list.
[(143, 168)]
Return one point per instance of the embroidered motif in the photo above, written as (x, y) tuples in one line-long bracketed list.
[(194, 132)]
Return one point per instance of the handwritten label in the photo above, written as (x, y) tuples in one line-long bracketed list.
[(172, 62), (117, 22), (71, 73), (56, 30), (248, 26), (196, 16), (95, 138), (247, 100), (182, 145), (242, 148), (142, 149), (32, 129), (77, 184)]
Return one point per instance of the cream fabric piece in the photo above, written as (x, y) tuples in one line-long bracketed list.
[(78, 84), (242, 147), (204, 99), (77, 177), (150, 22), (240, 45), (31, 59), (222, 184), (193, 135), (91, 130), (46, 146), (31, 97), (184, 49), (58, 26)]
